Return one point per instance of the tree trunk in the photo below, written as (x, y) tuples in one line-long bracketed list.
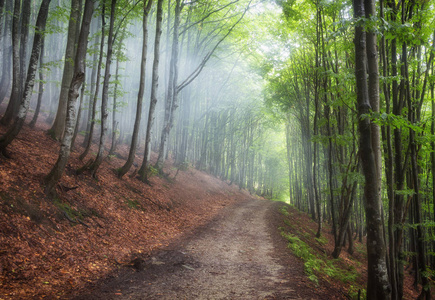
[(16, 79), (171, 97), (377, 284), (79, 75), (143, 172), (134, 138), (344, 220), (105, 93), (40, 85), (14, 102), (7, 52), (10, 135), (92, 84), (58, 126), (90, 134), (79, 113), (114, 108), (24, 36)]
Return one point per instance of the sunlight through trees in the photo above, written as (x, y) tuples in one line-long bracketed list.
[(327, 105)]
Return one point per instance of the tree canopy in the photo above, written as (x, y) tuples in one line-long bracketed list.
[(328, 105)]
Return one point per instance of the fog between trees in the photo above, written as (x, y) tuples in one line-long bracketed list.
[(274, 96)]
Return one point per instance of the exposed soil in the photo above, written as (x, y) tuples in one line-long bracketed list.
[(232, 257), (100, 232), (187, 237), (50, 247)]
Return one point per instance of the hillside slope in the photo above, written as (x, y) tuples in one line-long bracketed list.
[(50, 247)]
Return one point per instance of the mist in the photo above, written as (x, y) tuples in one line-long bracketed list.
[(215, 121)]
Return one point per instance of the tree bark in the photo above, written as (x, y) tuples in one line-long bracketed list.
[(171, 91), (92, 84), (114, 108), (58, 126), (14, 102), (24, 36), (134, 138), (16, 79), (7, 53), (143, 172), (40, 86), (41, 21), (90, 134), (105, 93), (79, 75), (377, 284)]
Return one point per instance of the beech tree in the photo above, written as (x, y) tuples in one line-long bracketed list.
[(79, 72), (96, 73), (368, 98), (105, 92), (16, 67), (134, 139), (58, 126), (10, 135), (143, 172), (293, 100), (6, 48)]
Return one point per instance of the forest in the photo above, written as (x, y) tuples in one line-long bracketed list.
[(327, 105)]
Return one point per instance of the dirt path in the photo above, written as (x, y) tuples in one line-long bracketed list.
[(233, 257)]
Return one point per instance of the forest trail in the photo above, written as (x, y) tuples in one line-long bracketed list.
[(232, 257)]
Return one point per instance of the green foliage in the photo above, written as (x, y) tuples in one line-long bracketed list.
[(70, 212), (315, 265), (151, 171), (284, 211), (134, 204), (357, 293), (322, 240)]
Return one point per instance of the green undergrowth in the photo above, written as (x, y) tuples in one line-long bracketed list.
[(73, 214), (316, 263)]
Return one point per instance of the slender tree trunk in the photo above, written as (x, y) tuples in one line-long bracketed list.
[(105, 93), (79, 75), (114, 108), (24, 36), (389, 171), (135, 136), (10, 135), (5, 82), (58, 126), (16, 79), (40, 85), (154, 87), (92, 84), (344, 220), (79, 113), (90, 134), (171, 92), (14, 103), (2, 18)]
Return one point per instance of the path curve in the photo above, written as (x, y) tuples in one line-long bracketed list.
[(230, 258)]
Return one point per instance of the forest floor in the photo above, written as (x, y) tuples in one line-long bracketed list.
[(191, 236)]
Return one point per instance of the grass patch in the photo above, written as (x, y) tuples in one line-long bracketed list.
[(68, 210), (321, 240), (74, 214), (134, 204), (321, 264), (284, 211)]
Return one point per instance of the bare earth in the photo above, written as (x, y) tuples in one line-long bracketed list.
[(236, 256)]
